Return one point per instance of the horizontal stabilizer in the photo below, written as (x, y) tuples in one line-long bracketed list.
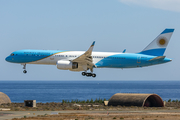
[(157, 58)]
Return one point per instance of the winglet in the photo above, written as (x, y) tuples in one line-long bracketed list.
[(91, 47), (93, 44)]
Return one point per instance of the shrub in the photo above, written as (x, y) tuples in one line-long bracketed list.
[(72, 101), (96, 100), (87, 101), (91, 101)]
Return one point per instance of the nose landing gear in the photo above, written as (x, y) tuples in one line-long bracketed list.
[(24, 71), (24, 67)]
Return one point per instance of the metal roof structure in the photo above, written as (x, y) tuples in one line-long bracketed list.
[(134, 99)]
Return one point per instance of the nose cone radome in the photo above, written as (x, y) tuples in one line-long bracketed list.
[(8, 59)]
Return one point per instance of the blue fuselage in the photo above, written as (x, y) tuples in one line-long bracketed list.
[(100, 59)]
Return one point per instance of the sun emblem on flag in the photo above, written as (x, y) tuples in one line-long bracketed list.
[(162, 42)]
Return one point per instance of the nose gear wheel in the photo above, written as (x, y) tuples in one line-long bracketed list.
[(24, 67)]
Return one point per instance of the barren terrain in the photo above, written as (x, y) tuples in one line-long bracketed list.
[(69, 111)]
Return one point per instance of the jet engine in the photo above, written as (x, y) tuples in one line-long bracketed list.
[(66, 65)]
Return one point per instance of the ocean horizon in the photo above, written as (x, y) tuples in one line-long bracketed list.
[(56, 91)]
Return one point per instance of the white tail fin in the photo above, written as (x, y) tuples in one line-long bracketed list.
[(158, 46)]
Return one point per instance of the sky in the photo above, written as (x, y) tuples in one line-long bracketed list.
[(115, 25)]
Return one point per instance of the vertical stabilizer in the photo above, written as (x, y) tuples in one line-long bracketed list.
[(158, 46)]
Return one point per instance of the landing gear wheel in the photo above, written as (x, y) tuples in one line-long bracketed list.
[(88, 74), (93, 75), (83, 73), (24, 71), (24, 67)]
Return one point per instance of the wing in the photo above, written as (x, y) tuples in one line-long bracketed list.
[(86, 59)]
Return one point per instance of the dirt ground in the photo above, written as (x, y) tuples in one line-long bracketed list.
[(105, 116), (45, 111), (82, 106)]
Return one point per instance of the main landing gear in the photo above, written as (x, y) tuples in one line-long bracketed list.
[(88, 74), (24, 67)]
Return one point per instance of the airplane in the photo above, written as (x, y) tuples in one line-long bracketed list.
[(88, 60)]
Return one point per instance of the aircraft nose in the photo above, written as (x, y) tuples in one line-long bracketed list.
[(7, 59)]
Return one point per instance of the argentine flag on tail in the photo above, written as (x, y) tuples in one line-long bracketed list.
[(158, 46)]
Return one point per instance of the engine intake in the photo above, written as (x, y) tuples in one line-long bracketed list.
[(66, 65)]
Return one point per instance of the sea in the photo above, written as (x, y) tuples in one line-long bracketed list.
[(56, 91)]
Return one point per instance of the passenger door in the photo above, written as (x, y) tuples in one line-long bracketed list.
[(139, 59)]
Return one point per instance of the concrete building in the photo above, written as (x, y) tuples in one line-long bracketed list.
[(4, 98), (30, 103), (141, 100)]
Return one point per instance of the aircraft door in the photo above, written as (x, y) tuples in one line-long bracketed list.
[(139, 59)]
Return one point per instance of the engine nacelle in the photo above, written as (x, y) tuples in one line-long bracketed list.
[(66, 65)]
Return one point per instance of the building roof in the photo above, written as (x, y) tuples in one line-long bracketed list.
[(4, 98)]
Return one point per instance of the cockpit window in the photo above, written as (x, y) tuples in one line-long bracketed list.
[(12, 54)]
